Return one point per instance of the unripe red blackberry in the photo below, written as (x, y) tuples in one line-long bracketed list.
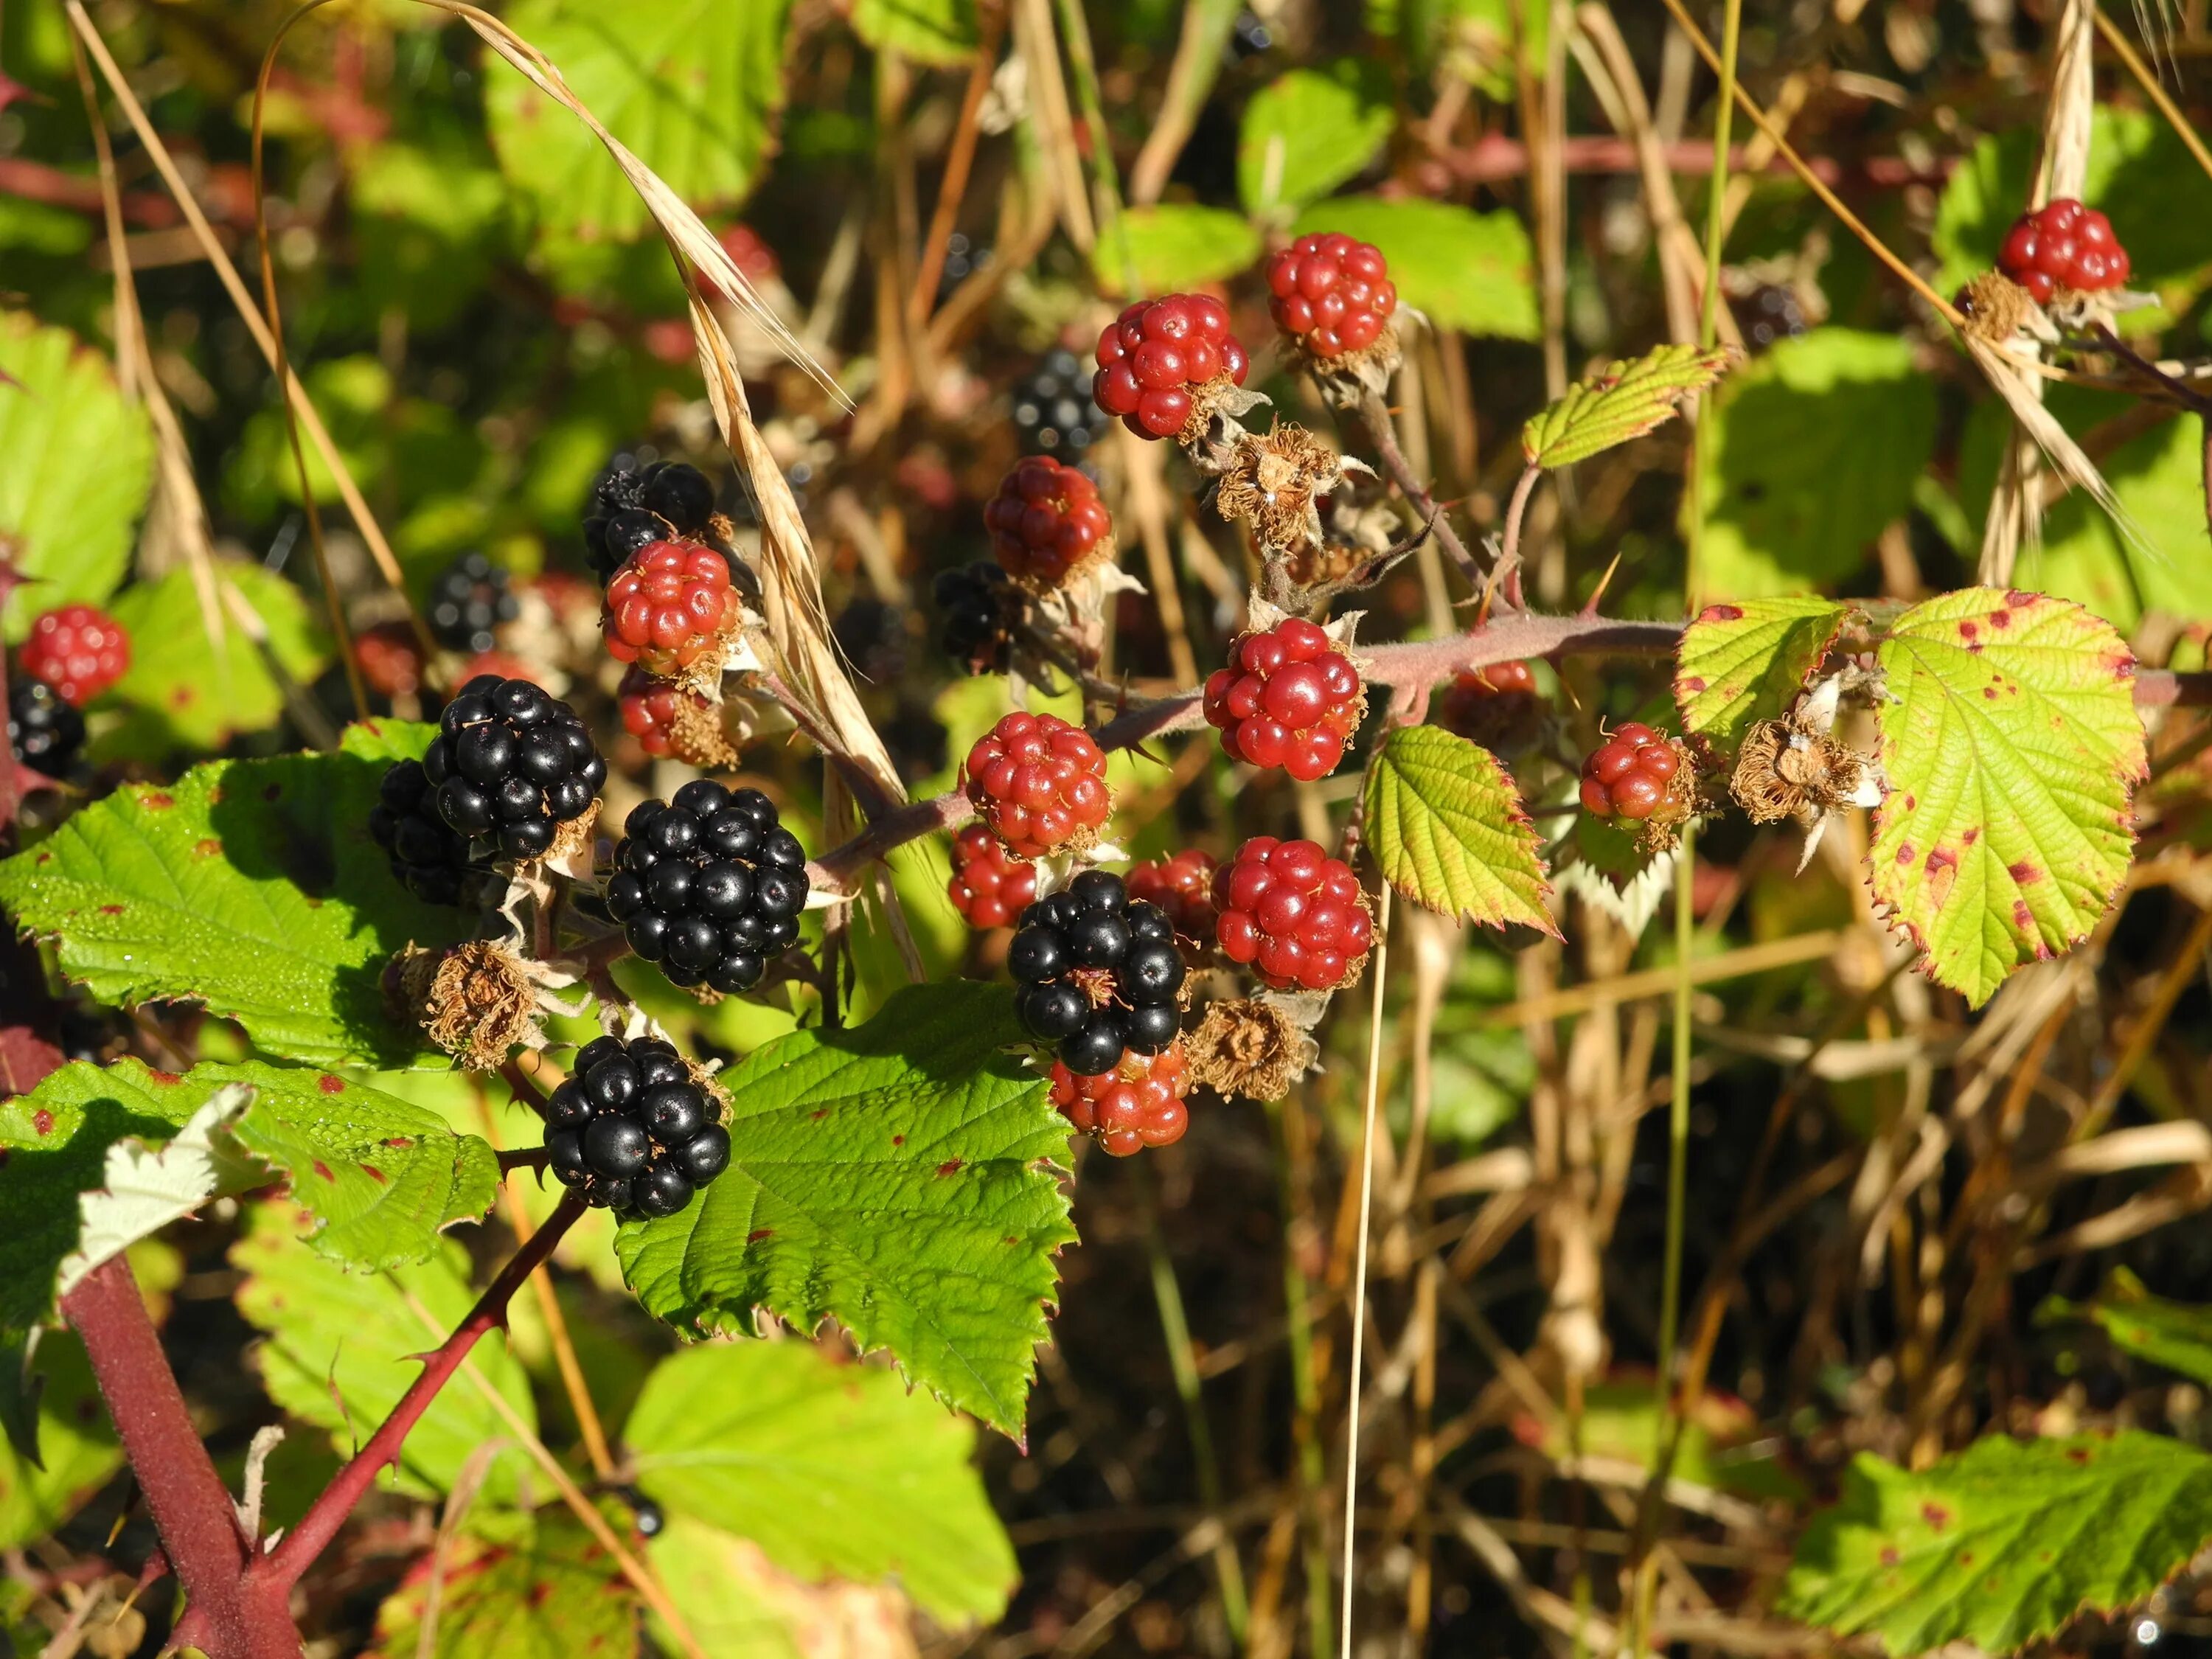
[(1047, 524), (1039, 782), (1158, 354), (512, 766), (633, 508), (1136, 1104), (43, 730), (980, 608), (1293, 915), (390, 659), (2063, 244), (988, 888), (1637, 773), (78, 650), (1099, 974), (668, 719), (632, 1130), (1331, 294), (429, 858), (669, 607), (1495, 705), (709, 886), (1182, 888), (1290, 697), (469, 602)]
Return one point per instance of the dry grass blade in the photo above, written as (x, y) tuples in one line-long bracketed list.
[(2021, 393), (1358, 1306), (2153, 89)]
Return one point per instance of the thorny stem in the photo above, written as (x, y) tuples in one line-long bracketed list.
[(1376, 418), (352, 1483)]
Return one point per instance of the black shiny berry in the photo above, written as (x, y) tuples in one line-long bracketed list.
[(1099, 974), (632, 1130), (43, 730), (429, 857), (663, 1189), (634, 507), (469, 602), (979, 607), (1055, 413), (709, 886), (512, 765)]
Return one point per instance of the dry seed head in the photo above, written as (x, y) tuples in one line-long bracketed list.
[(476, 1000), (1250, 1046)]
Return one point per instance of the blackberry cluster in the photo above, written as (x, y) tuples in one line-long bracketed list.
[(43, 730), (512, 765), (988, 887), (1290, 697), (1039, 782), (633, 508), (1636, 774), (1160, 356), (1136, 1104), (469, 602), (1047, 524), (1292, 915), (979, 606), (1183, 887), (78, 650), (1498, 705), (631, 1130), (709, 886), (1100, 975), (2064, 244), (1770, 313), (1331, 294), (1055, 413), (428, 859), (669, 605)]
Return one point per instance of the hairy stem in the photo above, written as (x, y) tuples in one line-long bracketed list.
[(1375, 415), (352, 1483)]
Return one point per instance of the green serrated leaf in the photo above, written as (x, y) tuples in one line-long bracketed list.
[(1173, 247), (182, 691), (535, 1586), (79, 467), (1472, 272), (343, 1346), (927, 31), (1624, 400), (2175, 1334), (2011, 744), (832, 1469), (1309, 130), (1805, 456), (896, 1176), (249, 886), (1446, 827), (2002, 1543), (1747, 661), (76, 1446), (692, 87)]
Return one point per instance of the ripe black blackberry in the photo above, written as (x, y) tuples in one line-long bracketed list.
[(964, 257), (1769, 313), (469, 602), (634, 507), (428, 858), (979, 606), (709, 886), (43, 730), (512, 766), (1053, 411), (1099, 974), (631, 1129)]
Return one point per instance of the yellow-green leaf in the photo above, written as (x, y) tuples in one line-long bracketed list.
[(1747, 661), (1622, 401), (1446, 825)]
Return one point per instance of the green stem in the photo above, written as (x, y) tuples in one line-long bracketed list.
[(1229, 1571), (1106, 181), (1305, 1388)]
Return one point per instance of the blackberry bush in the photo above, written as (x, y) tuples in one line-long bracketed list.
[(1040, 784), (1293, 915), (1139, 1103), (709, 886), (1055, 413), (632, 1130), (513, 767), (1100, 975), (469, 602), (78, 650)]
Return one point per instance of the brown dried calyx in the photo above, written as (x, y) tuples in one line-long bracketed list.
[(1995, 307), (1254, 1046), (476, 1000), (1784, 773), (1273, 481)]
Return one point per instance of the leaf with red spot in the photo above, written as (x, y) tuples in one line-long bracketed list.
[(838, 1203), (2012, 747), (2002, 1544), (1748, 660), (1622, 402), (519, 1586)]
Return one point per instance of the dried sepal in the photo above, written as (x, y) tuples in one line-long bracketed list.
[(1794, 768), (1255, 1047), (1275, 480), (476, 1001)]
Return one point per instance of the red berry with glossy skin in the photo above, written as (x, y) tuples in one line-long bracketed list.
[(78, 650), (1331, 294), (988, 888), (1137, 1104), (653, 711), (2063, 244), (1291, 914), (669, 605), (1182, 887), (1039, 782), (1631, 774), (1046, 523), (390, 659), (1290, 697), (1156, 354)]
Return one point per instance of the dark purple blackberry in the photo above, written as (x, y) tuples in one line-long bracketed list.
[(709, 886), (979, 606), (469, 604), (1769, 313), (964, 257), (632, 1130), (1055, 413), (633, 506), (43, 730), (511, 766), (1099, 974), (428, 858)]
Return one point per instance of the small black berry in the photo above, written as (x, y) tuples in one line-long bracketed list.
[(1099, 974), (706, 1155), (469, 602), (632, 1131), (663, 1189), (1055, 413), (979, 606), (709, 886), (1096, 1048), (429, 857), (43, 730), (632, 508), (512, 766)]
